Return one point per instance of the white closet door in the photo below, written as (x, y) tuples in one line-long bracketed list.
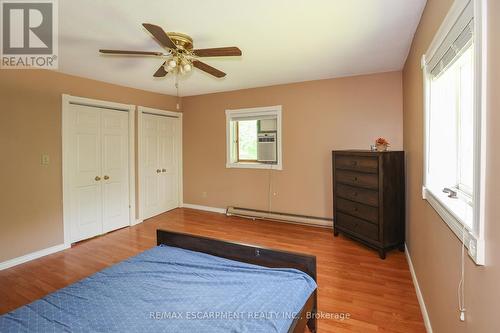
[(115, 169), (84, 171), (169, 161), (151, 194), (160, 149)]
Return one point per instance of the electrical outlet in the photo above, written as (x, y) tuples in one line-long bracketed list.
[(45, 159), (204, 194)]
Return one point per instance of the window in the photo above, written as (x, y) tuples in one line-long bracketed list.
[(247, 140), (451, 137), (452, 177), (254, 138)]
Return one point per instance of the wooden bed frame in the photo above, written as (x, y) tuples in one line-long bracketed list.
[(254, 255)]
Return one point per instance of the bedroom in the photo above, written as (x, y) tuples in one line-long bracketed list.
[(262, 152)]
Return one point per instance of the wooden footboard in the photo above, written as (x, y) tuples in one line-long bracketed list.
[(254, 255)]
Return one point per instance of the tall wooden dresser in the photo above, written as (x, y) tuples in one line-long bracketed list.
[(369, 198)]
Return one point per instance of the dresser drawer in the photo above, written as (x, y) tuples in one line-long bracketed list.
[(366, 180), (360, 210), (357, 226), (357, 194), (357, 163)]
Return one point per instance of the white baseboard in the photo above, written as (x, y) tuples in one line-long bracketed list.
[(420, 297), (205, 208), (32, 256)]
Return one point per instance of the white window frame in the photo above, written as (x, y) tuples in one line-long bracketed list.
[(474, 239), (230, 142)]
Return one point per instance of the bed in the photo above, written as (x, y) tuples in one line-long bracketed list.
[(185, 284)]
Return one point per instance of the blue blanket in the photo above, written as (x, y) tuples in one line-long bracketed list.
[(167, 289)]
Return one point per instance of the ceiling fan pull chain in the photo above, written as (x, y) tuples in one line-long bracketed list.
[(177, 89)]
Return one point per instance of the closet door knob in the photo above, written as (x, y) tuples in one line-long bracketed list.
[(163, 170), (106, 177), (97, 178), (158, 170)]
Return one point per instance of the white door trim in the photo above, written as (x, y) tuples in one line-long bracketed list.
[(67, 100), (140, 111)]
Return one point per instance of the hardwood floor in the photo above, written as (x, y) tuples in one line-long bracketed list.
[(377, 294)]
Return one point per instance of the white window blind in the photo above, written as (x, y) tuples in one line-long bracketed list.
[(456, 41), (244, 117)]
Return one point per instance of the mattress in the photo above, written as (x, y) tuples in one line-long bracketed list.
[(168, 289)]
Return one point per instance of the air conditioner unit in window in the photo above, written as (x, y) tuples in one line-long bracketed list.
[(266, 148)]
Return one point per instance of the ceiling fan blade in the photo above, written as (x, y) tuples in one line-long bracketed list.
[(125, 52), (209, 69), (161, 72), (160, 35), (218, 52)]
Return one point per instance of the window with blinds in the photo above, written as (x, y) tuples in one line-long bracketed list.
[(452, 122)]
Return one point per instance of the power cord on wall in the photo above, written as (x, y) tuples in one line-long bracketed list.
[(269, 194), (461, 286)]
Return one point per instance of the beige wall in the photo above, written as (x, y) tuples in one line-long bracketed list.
[(434, 249), (30, 124), (318, 116)]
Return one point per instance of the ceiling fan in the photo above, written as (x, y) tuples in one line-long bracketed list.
[(180, 55)]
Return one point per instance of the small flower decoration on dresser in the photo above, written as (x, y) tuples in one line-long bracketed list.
[(382, 144)]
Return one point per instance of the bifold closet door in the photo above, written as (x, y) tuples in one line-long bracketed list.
[(115, 169), (151, 195), (169, 162), (84, 172), (160, 137), (97, 170)]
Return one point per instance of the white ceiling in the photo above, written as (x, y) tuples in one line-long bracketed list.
[(282, 40)]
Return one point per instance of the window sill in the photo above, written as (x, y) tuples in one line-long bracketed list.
[(254, 165), (474, 244)]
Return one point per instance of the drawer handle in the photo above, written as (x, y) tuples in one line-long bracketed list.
[(355, 178), (355, 209)]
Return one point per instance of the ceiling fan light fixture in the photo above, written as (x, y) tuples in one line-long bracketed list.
[(180, 57), (187, 67), (172, 63)]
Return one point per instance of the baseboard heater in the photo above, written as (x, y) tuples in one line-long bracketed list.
[(281, 217)]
